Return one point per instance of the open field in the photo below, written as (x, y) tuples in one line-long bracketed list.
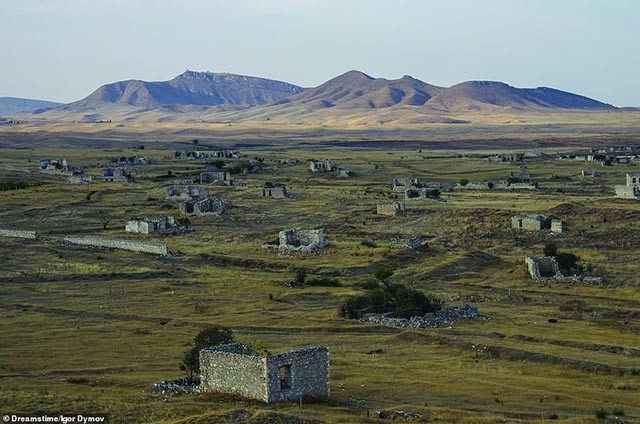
[(89, 331)]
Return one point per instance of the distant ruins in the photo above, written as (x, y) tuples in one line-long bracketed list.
[(290, 376), (80, 179), (177, 193), (159, 225), (220, 177), (58, 166), (631, 190), (546, 268), (274, 191), (390, 208), (116, 174), (323, 166), (404, 241), (533, 222), (299, 240), (202, 206), (206, 154)]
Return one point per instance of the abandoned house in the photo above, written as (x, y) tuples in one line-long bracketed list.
[(299, 240), (80, 179), (390, 208), (398, 184), (323, 166), (588, 173), (156, 226), (530, 222), (186, 192), (274, 192), (556, 226), (546, 268), (511, 157), (404, 241), (116, 174), (413, 193), (289, 376), (58, 166), (202, 206), (223, 177), (631, 190)]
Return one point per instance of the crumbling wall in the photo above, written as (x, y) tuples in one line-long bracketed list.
[(233, 373), (406, 241), (302, 240), (308, 374), (206, 206), (18, 234), (186, 192), (529, 222), (285, 377), (134, 245), (390, 208)]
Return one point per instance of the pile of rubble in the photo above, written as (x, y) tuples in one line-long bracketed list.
[(180, 386), (446, 316)]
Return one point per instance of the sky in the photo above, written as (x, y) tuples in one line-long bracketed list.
[(62, 50)]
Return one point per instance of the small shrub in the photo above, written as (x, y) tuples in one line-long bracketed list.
[(601, 414), (464, 182), (618, 412), (367, 243), (301, 275), (550, 249), (383, 273)]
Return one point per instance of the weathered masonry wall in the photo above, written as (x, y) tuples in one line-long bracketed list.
[(289, 376), (18, 234), (134, 245), (233, 373), (308, 374), (390, 208)]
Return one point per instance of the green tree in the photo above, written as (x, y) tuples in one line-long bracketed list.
[(550, 249), (383, 274), (210, 336), (464, 182)]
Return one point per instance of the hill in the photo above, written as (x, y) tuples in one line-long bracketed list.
[(12, 105), (189, 88)]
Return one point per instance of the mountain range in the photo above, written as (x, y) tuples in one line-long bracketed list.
[(223, 97), (13, 105)]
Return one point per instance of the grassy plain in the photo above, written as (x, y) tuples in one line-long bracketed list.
[(87, 331)]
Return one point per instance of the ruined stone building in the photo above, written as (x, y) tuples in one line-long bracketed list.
[(156, 226), (290, 376), (58, 166), (506, 158), (546, 268), (206, 154), (588, 173), (116, 174), (413, 193), (390, 208), (631, 190), (275, 192), (186, 192), (223, 177), (299, 240), (323, 166), (80, 179), (530, 222), (405, 241), (202, 206), (398, 184), (557, 226)]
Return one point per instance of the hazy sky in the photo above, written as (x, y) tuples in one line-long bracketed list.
[(64, 49)]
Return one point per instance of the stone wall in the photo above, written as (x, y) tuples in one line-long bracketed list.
[(542, 267), (301, 240), (277, 192), (206, 206), (18, 234), (529, 222), (225, 372), (134, 245), (628, 191), (285, 377), (390, 208), (308, 374), (406, 241)]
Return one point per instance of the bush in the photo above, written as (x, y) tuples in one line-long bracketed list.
[(464, 182), (433, 193), (402, 301), (601, 414), (367, 243), (550, 249), (211, 336), (383, 274), (301, 275)]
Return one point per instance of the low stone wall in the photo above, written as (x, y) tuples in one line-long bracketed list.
[(18, 234), (134, 245)]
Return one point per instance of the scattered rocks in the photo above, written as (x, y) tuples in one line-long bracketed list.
[(177, 387), (387, 414), (447, 316)]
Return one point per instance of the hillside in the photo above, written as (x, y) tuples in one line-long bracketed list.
[(351, 98), (189, 88), (12, 105)]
